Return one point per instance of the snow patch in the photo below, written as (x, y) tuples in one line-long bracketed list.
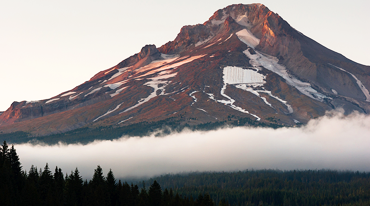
[(229, 77), (52, 100), (74, 96), (165, 76), (271, 63), (155, 85), (120, 71), (203, 42), (250, 88), (109, 71), (202, 110), (27, 102), (31, 102), (289, 107), (359, 83), (296, 121), (117, 92), (243, 20), (238, 75), (210, 45), (247, 38), (195, 99), (228, 38), (211, 96), (108, 112), (335, 92), (115, 85), (67, 94), (231, 102), (163, 65), (93, 91), (124, 120)]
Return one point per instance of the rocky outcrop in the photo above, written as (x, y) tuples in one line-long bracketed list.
[(188, 37)]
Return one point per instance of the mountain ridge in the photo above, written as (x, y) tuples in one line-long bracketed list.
[(244, 61)]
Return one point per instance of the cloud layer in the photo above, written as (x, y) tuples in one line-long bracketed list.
[(331, 142)]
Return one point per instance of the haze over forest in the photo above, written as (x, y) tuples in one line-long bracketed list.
[(332, 142)]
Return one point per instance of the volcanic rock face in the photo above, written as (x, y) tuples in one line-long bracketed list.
[(244, 62)]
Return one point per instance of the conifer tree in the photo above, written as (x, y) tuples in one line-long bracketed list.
[(46, 185), (74, 188), (98, 178), (4, 152), (16, 168), (14, 161), (6, 184), (58, 185), (99, 188), (134, 197), (155, 194), (111, 184), (125, 194), (143, 197)]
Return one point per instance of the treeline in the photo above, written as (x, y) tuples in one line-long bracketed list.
[(251, 188), (272, 187), (44, 188), (164, 127)]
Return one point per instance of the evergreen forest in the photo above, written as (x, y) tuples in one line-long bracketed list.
[(44, 187)]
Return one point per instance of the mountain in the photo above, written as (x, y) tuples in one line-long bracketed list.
[(244, 66)]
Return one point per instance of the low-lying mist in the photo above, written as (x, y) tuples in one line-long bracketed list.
[(334, 141)]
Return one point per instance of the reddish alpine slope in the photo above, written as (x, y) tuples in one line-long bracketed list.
[(245, 61)]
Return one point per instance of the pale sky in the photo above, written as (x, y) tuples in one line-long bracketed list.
[(49, 46)]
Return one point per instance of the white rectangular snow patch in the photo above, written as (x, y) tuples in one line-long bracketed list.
[(238, 75)]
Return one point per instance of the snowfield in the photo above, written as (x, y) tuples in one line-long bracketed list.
[(257, 92), (359, 83), (238, 75), (248, 38), (271, 63), (243, 20)]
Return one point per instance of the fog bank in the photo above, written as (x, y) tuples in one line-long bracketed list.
[(331, 142)]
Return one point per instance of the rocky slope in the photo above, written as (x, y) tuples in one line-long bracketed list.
[(244, 62)]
